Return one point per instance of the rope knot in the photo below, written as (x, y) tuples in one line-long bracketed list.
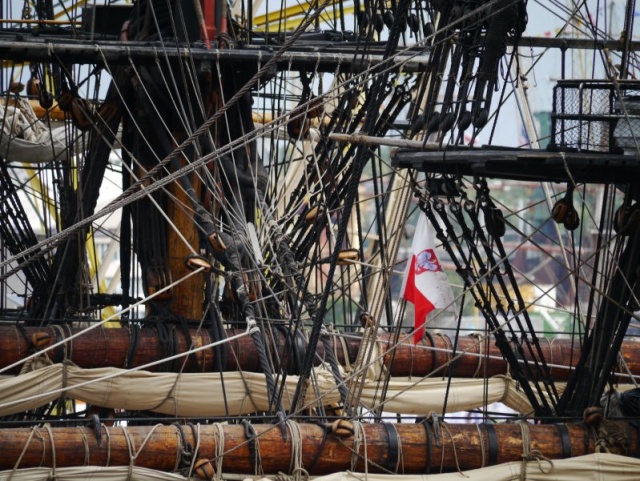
[(545, 465), (529, 454)]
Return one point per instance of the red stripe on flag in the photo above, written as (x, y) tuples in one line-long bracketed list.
[(422, 305)]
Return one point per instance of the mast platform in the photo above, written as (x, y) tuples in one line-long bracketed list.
[(523, 164)]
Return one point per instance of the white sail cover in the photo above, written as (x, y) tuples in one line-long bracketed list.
[(201, 394), (592, 467), (24, 138)]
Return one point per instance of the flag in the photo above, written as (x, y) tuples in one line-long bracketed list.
[(425, 284)]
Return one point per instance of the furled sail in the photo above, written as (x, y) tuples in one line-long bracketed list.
[(25, 138), (597, 466), (198, 394)]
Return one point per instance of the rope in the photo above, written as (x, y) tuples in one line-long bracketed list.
[(134, 192), (258, 341), (358, 436), (130, 448), (481, 444), (119, 373), (612, 437), (133, 452), (34, 430), (62, 343), (529, 454), (529, 336), (444, 426), (33, 364), (47, 427), (345, 348), (366, 453), (218, 437), (400, 460), (185, 450), (64, 382), (194, 458), (356, 381), (85, 445), (478, 336), (472, 283), (333, 364), (296, 466), (112, 318), (372, 108), (108, 447)]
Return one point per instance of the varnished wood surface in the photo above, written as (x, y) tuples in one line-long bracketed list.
[(184, 300), (448, 448), (110, 347)]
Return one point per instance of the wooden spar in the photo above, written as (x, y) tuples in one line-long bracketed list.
[(408, 448), (388, 141), (112, 347)]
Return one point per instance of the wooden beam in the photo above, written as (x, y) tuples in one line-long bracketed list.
[(408, 448), (110, 347)]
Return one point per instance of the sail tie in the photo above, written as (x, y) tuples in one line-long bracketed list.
[(133, 452), (480, 342), (444, 426), (529, 454), (296, 466), (34, 431), (108, 448), (358, 436), (130, 447), (366, 452), (47, 427), (195, 430), (85, 444), (203, 467), (218, 437)]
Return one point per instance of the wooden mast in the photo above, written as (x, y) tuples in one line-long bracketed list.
[(187, 296), (408, 448), (128, 348)]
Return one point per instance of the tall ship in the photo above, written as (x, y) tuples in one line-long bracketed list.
[(334, 239)]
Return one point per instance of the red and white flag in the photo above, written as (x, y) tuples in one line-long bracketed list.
[(425, 284)]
